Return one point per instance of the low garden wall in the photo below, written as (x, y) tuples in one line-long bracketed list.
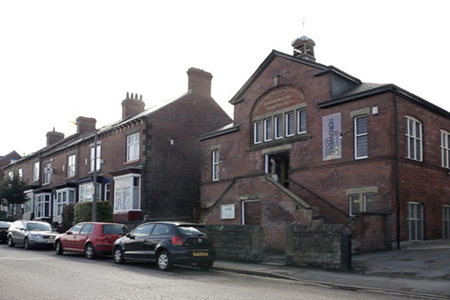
[(237, 242), (326, 246)]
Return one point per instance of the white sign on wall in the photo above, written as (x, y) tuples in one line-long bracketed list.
[(227, 211)]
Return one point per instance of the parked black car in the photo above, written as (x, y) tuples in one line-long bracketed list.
[(167, 243), (4, 226), (31, 233)]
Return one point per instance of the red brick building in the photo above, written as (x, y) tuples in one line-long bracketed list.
[(311, 143), (146, 163)]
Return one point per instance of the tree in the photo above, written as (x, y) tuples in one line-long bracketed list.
[(12, 190)]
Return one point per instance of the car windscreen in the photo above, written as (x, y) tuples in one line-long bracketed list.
[(114, 229), (39, 227), (191, 231)]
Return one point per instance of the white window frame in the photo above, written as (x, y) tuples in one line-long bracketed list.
[(107, 191), (445, 149), (278, 126), (359, 136), (42, 205), (257, 132), (414, 139), (133, 142), (301, 115), (362, 199), (268, 129), (63, 197), (215, 164), (71, 166), (99, 152), (124, 186), (85, 191), (36, 171), (28, 205), (290, 126), (47, 174)]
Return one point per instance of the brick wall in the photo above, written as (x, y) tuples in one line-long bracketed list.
[(370, 233), (279, 208), (239, 243), (324, 246)]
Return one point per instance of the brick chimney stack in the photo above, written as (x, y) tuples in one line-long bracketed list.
[(199, 82), (54, 137), (132, 105), (85, 124)]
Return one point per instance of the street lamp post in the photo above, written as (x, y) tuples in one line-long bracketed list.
[(94, 183)]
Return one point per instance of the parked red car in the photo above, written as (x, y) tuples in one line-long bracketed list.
[(90, 238)]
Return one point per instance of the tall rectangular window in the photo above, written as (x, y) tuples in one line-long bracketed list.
[(363, 202), (133, 147), (257, 132), (446, 222), (290, 122), (47, 173), (42, 205), (361, 138), (215, 164), (278, 127), (413, 139), (97, 158), (301, 120), (71, 166), (36, 171), (267, 130), (445, 149)]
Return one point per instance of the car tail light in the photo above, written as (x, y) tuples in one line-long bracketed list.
[(177, 241)]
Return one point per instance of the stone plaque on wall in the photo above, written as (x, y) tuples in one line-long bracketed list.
[(227, 211)]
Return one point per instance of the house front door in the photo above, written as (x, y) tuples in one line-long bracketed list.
[(251, 212)]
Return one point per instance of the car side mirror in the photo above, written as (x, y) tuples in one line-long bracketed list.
[(68, 232), (129, 235), (23, 229)]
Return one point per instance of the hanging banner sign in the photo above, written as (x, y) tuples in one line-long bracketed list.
[(331, 135)]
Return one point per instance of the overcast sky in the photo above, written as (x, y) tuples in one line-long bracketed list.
[(64, 59)]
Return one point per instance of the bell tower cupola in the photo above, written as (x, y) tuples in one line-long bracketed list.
[(304, 48)]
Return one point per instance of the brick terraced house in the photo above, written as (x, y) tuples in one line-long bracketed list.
[(313, 144), (148, 162)]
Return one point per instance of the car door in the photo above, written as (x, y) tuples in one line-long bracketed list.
[(132, 246), (69, 239), (21, 233), (13, 231), (159, 233), (83, 236)]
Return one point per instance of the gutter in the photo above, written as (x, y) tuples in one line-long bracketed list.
[(397, 166)]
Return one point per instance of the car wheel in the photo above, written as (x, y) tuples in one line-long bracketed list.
[(89, 251), (118, 255), (205, 265), (164, 262), (10, 242), (26, 244), (58, 248)]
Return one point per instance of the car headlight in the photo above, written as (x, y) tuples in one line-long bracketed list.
[(35, 236)]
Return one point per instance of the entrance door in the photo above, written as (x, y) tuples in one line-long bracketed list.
[(277, 164), (415, 221), (251, 212)]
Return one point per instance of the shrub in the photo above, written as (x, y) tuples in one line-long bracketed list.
[(67, 217), (83, 212)]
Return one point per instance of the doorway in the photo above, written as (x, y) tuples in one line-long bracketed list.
[(251, 212), (277, 164)]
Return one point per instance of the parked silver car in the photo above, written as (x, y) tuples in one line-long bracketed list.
[(31, 234)]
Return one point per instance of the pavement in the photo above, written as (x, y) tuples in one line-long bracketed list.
[(419, 270)]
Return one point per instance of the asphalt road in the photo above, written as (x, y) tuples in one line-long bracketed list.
[(41, 274)]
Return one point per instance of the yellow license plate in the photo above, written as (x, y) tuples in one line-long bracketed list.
[(200, 253)]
